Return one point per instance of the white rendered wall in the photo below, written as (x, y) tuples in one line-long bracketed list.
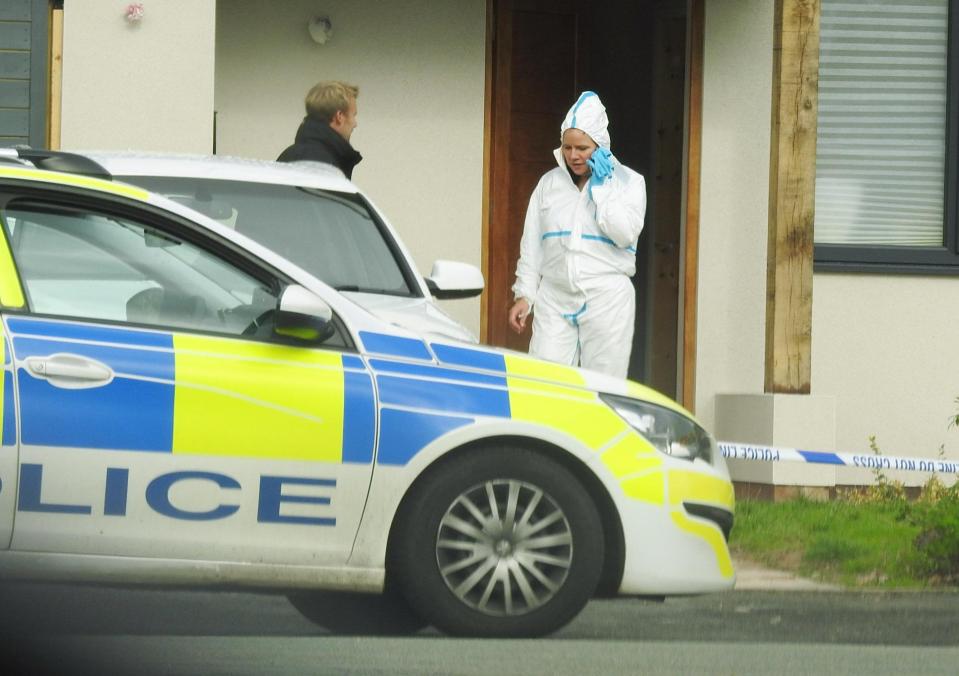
[(886, 347), (733, 221), (145, 85), (420, 67)]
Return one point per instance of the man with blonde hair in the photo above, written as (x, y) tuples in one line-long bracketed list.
[(324, 134)]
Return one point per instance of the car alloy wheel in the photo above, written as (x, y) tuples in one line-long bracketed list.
[(497, 541), (504, 547)]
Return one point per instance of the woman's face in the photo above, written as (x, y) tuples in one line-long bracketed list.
[(577, 148)]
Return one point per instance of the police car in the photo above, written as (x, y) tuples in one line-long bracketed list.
[(182, 405)]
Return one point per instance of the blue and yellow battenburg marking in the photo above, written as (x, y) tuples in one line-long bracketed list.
[(199, 395), (421, 401), (192, 394), (243, 398)]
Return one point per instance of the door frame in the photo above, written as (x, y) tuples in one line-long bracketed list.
[(497, 120)]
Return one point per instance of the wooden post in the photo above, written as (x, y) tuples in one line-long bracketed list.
[(694, 126), (54, 96), (792, 183)]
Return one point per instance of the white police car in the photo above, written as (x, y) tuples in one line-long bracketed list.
[(181, 405), (311, 214)]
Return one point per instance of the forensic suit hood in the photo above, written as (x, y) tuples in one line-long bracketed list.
[(588, 114)]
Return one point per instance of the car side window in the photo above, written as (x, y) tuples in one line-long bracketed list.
[(81, 263), (334, 236)]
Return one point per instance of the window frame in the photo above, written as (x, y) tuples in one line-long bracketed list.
[(943, 260)]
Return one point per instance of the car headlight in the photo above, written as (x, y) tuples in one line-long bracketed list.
[(668, 431)]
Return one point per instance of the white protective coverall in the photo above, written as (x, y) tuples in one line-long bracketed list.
[(577, 255)]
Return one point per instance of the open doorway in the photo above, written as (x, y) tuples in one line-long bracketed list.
[(633, 54)]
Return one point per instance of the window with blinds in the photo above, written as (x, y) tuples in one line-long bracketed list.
[(882, 121)]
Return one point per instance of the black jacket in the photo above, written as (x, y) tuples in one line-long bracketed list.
[(317, 141)]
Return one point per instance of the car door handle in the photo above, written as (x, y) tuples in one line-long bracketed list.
[(70, 371)]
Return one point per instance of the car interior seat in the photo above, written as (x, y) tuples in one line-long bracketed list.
[(167, 307)]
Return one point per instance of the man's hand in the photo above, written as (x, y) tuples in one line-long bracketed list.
[(518, 314)]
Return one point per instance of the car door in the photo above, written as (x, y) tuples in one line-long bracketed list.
[(159, 415)]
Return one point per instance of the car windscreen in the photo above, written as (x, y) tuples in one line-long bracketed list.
[(332, 235)]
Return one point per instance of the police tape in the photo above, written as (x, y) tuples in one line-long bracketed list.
[(734, 451)]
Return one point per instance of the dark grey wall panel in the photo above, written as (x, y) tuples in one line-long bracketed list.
[(14, 34), (39, 71), (14, 122), (15, 10), (23, 72), (15, 65), (14, 94)]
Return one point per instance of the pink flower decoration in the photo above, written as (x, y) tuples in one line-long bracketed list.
[(134, 12)]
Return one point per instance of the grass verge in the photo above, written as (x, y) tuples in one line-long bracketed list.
[(840, 542)]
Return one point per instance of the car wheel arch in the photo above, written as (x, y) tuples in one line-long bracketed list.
[(615, 554)]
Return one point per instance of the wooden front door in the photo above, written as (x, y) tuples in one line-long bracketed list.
[(538, 67), (540, 62), (665, 182)]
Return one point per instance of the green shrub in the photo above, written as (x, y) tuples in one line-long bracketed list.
[(883, 491), (936, 514)]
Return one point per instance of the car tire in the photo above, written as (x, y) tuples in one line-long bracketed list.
[(358, 614), (472, 565)]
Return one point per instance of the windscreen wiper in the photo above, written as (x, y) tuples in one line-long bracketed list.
[(364, 289)]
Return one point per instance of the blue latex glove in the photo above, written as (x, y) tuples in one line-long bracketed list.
[(601, 167)]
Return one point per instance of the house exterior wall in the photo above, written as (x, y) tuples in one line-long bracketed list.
[(146, 85), (420, 67), (733, 221), (883, 346)]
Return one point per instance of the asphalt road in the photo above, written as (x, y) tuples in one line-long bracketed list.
[(68, 629)]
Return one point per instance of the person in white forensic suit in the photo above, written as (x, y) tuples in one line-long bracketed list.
[(578, 250)]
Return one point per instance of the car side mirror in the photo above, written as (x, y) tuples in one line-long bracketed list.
[(303, 315), (453, 279)]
